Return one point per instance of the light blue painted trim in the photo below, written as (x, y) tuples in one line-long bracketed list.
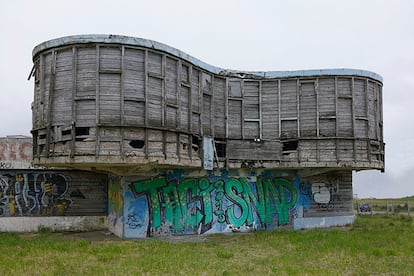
[(322, 222), (141, 42)]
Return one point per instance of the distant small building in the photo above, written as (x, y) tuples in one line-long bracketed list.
[(190, 148)]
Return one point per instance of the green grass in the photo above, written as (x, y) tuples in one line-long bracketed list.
[(372, 246), (396, 205)]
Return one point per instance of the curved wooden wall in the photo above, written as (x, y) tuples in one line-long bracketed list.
[(128, 103)]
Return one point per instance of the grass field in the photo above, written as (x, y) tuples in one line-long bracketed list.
[(372, 246), (403, 205)]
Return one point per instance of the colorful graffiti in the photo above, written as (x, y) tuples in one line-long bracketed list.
[(33, 194), (115, 205), (196, 205), (115, 195)]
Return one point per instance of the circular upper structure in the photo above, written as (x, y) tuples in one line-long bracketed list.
[(125, 104)]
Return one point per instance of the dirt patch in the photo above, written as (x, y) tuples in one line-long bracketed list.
[(89, 236)]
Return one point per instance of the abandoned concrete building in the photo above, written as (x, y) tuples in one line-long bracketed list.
[(158, 142)]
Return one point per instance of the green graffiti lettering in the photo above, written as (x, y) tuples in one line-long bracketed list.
[(218, 210), (284, 186), (205, 189), (276, 194), (187, 190), (272, 200), (173, 212), (191, 202), (258, 201), (234, 192), (150, 188)]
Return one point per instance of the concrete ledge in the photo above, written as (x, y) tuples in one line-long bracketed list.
[(54, 224), (322, 222)]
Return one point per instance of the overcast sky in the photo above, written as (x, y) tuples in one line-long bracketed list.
[(272, 35)]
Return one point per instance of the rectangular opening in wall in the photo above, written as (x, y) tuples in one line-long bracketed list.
[(66, 132), (80, 132), (289, 146), (196, 143), (220, 145)]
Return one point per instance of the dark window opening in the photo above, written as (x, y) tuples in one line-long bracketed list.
[(42, 136), (81, 131), (66, 132), (290, 145), (196, 143), (220, 148), (137, 144)]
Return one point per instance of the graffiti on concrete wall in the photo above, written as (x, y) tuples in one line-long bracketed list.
[(115, 204), (33, 194), (115, 195), (175, 206), (324, 194)]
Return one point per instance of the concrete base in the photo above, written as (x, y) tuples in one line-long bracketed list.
[(322, 222), (54, 224)]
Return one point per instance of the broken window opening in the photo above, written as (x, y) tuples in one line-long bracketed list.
[(220, 145), (196, 143), (290, 145), (137, 144), (81, 131), (66, 132)]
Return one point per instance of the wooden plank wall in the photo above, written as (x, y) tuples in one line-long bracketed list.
[(121, 100)]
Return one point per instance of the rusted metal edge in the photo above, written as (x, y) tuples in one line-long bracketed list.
[(150, 44)]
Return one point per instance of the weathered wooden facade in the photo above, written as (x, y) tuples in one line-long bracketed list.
[(140, 109)]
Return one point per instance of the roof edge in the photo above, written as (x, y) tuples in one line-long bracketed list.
[(142, 42)]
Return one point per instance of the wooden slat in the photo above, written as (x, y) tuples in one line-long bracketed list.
[(97, 101), (74, 115), (50, 101)]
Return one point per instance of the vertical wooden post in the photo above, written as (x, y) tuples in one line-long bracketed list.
[(97, 104), (336, 120), (298, 89), (353, 119), (260, 111), (50, 102), (200, 102), (279, 86), (367, 115), (122, 102), (73, 131)]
